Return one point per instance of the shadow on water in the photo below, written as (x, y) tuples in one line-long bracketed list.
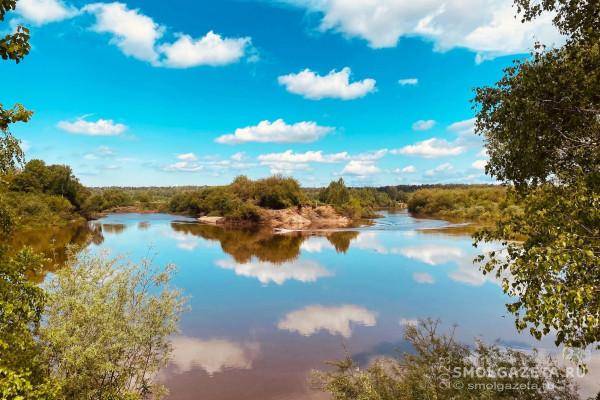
[(261, 243)]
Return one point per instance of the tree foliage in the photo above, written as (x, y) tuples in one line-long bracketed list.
[(541, 123), (37, 177), (478, 204), (541, 119), (13, 46), (577, 19), (22, 372), (107, 328), (22, 375), (553, 271), (336, 194)]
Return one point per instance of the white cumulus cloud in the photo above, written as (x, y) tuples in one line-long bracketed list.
[(239, 156), (187, 157), (335, 320), (309, 156), (288, 161), (491, 31), (409, 169), (44, 11), (132, 32), (184, 166), (431, 148), (100, 127), (361, 168), (423, 125), (408, 322), (465, 127), (277, 131), (211, 49), (408, 82), (335, 85), (138, 36)]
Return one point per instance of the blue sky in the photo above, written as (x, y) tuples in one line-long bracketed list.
[(197, 92)]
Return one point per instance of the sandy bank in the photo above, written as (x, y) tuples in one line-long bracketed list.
[(320, 217)]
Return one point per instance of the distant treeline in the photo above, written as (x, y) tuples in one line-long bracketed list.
[(40, 194)]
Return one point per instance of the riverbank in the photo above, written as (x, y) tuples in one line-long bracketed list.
[(301, 217)]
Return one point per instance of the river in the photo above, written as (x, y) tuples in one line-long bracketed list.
[(268, 308)]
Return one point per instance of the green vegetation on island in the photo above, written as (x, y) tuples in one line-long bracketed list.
[(243, 198)]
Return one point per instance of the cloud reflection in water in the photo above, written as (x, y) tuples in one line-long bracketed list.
[(266, 272), (335, 320), (212, 355)]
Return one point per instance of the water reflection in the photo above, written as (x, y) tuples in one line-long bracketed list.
[(244, 245), (335, 320), (212, 355), (53, 242), (279, 273), (268, 308), (113, 229), (143, 225), (432, 254)]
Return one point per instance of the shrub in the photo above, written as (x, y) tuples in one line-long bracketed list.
[(430, 372), (107, 328), (278, 192), (481, 204), (35, 209)]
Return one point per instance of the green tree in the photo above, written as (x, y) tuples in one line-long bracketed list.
[(107, 328), (336, 193), (22, 372), (6, 220), (22, 375), (37, 177), (577, 19), (542, 130), (15, 47)]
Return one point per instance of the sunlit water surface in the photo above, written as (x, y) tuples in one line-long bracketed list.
[(267, 309)]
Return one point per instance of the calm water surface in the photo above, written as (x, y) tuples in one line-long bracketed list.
[(266, 309)]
